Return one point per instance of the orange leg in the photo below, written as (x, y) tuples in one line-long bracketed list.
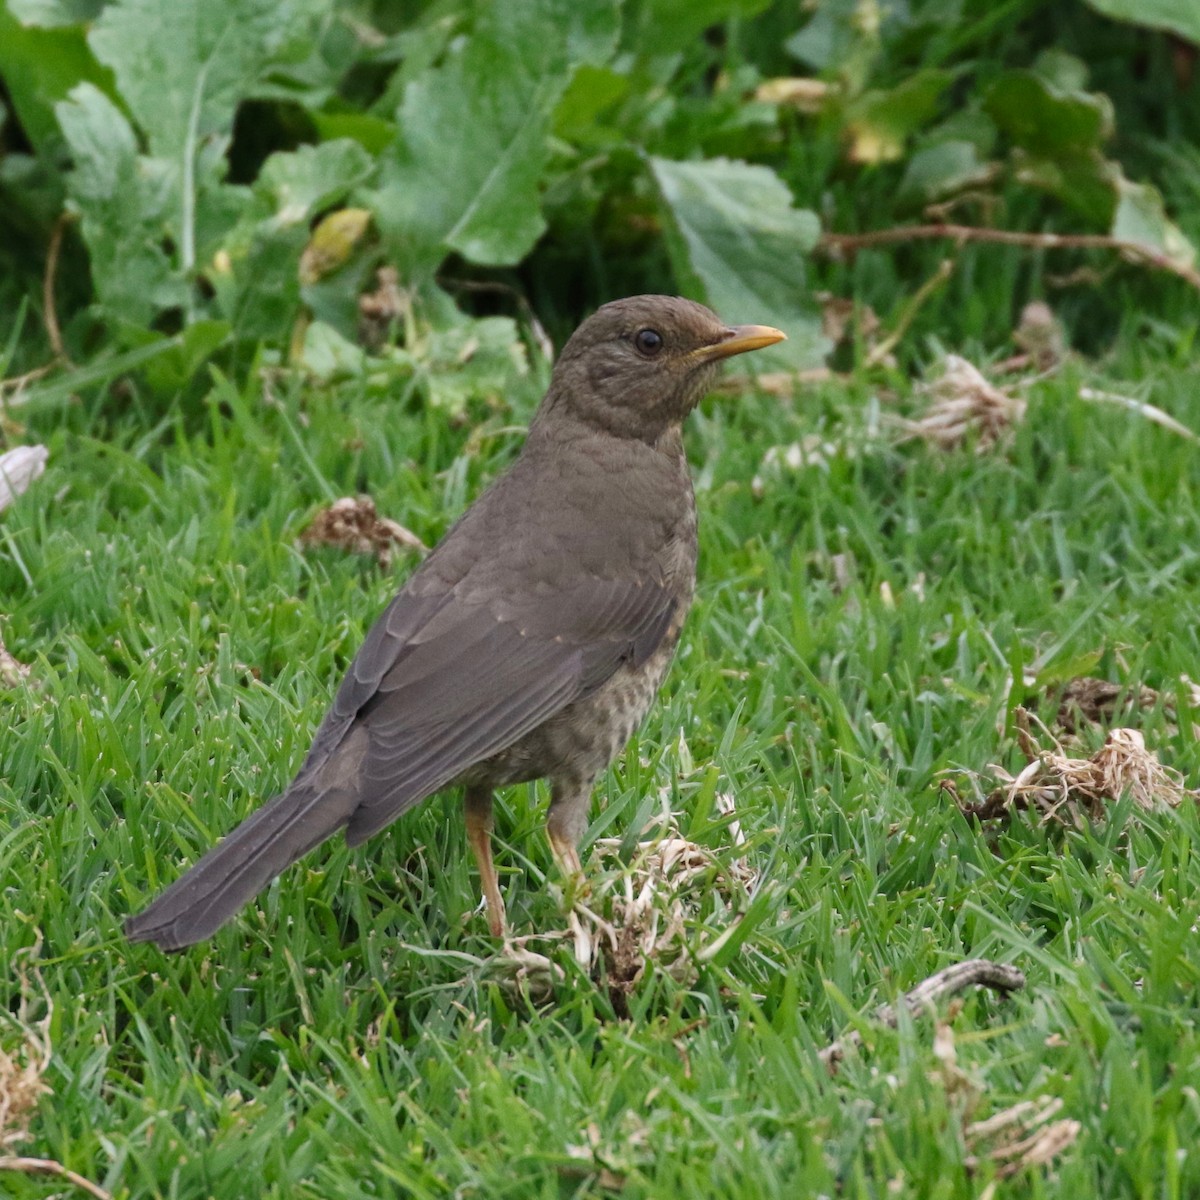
[(477, 804)]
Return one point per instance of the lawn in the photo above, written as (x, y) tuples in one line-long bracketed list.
[(866, 626)]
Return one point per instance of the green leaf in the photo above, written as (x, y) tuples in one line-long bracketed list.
[(373, 134), (1085, 181), (121, 200), (49, 14), (101, 370), (1177, 16), (254, 273), (663, 27), (593, 91), (327, 355), (466, 175), (934, 172), (174, 370), (39, 67), (880, 122), (184, 67), (736, 241), (845, 37), (1141, 218), (182, 70), (256, 284), (299, 183), (826, 40), (471, 360), (1046, 119)]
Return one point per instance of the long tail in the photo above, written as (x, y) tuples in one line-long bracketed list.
[(231, 874)]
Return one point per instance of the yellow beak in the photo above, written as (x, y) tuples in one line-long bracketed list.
[(738, 340)]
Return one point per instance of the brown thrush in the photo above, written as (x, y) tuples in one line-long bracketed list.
[(533, 639)]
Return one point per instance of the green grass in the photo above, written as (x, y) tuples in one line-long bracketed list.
[(344, 1038)]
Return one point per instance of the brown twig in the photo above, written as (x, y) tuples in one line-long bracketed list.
[(47, 1166), (851, 243), (50, 311), (540, 336), (18, 383), (976, 972)]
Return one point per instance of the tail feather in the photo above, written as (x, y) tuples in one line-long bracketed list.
[(231, 874)]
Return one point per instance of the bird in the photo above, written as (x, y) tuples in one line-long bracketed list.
[(532, 640)]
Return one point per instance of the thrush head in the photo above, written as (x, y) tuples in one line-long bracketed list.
[(637, 366)]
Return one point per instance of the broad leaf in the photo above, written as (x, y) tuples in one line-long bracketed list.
[(880, 122), (1177, 16), (738, 243), (52, 13), (1084, 181), (942, 169), (257, 272), (827, 39), (39, 66), (1046, 118), (121, 201), (299, 183), (1141, 218), (184, 67), (665, 26), (467, 173)]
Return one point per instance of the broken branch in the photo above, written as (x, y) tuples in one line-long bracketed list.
[(851, 243), (976, 972)]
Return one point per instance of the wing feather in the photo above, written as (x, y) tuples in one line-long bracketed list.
[(472, 682)]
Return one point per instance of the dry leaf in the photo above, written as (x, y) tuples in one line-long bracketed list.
[(355, 526), (381, 310), (807, 95), (1088, 701), (1023, 1135)]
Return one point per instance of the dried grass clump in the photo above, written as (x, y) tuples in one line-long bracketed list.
[(1058, 786), (1020, 1137), (21, 1080), (964, 407), (637, 912), (353, 525), (24, 1061), (1086, 702), (843, 321), (1015, 1139), (12, 672), (640, 911)]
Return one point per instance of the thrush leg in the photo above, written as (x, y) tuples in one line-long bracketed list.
[(477, 807), (566, 822)]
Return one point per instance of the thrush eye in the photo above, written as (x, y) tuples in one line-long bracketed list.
[(648, 341)]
